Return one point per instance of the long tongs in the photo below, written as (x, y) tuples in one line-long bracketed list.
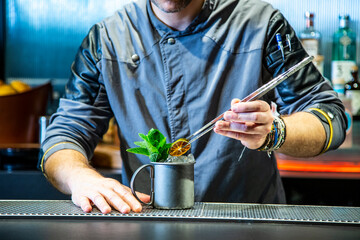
[(251, 97)]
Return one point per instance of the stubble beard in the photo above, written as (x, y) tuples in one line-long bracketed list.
[(177, 5)]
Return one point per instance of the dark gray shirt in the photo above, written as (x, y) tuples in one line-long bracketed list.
[(147, 75)]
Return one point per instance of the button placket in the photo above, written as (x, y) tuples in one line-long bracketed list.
[(175, 86)]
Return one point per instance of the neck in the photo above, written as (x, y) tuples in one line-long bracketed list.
[(179, 20)]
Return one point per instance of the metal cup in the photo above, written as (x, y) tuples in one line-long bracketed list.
[(172, 185)]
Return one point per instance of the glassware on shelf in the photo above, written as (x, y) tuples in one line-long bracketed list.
[(343, 50), (310, 37)]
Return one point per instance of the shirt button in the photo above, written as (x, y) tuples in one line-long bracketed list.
[(171, 41), (135, 58)]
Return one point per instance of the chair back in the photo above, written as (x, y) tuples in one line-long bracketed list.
[(19, 115)]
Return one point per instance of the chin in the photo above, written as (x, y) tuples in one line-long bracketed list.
[(171, 6)]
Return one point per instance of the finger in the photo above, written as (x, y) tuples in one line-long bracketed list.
[(252, 106), (100, 203), (83, 202), (116, 201), (251, 141), (255, 117), (122, 206), (247, 127), (235, 100), (143, 197), (127, 196)]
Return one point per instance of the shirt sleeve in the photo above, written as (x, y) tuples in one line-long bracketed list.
[(306, 90), (84, 113)]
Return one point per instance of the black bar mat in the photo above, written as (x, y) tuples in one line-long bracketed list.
[(201, 211)]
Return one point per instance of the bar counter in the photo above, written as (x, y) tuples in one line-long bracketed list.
[(333, 177), (63, 220)]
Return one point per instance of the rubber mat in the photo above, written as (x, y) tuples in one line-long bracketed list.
[(200, 211)]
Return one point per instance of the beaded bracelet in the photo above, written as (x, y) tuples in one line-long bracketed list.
[(276, 137), (281, 134)]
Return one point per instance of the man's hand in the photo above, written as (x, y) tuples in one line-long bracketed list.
[(248, 122), (104, 193), (69, 171)]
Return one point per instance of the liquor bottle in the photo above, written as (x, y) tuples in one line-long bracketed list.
[(338, 85), (310, 37), (352, 91), (343, 51)]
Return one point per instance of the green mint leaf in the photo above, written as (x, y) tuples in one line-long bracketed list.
[(139, 150), (154, 157), (161, 145), (155, 137), (140, 144), (151, 148), (144, 137), (153, 145)]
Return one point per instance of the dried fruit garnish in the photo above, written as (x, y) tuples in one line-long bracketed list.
[(179, 147)]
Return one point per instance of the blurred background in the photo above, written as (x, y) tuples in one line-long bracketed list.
[(38, 42), (39, 38)]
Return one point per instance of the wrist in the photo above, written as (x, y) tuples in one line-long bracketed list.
[(276, 137)]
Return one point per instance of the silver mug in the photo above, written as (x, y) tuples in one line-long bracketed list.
[(172, 185)]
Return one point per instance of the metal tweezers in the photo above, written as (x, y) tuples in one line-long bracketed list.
[(251, 97)]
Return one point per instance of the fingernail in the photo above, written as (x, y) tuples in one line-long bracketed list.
[(87, 209), (137, 208), (125, 209), (227, 116), (106, 210)]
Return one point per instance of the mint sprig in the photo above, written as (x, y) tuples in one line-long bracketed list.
[(153, 145)]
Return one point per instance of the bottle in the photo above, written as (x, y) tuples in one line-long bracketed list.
[(352, 91), (349, 117), (310, 38), (339, 86), (343, 51)]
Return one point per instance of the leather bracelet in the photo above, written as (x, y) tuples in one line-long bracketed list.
[(276, 137), (266, 142)]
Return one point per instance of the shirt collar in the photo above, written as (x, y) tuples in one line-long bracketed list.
[(195, 26)]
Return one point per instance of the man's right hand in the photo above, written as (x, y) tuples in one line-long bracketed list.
[(91, 189), (69, 171)]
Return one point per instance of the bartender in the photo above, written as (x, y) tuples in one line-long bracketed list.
[(174, 65)]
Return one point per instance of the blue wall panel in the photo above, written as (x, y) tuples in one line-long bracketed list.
[(42, 36)]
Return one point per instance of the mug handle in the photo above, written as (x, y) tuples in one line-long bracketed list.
[(152, 183)]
